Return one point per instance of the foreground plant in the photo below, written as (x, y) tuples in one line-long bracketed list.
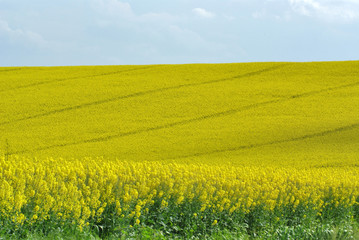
[(114, 197)]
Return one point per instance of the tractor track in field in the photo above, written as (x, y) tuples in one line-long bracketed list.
[(10, 70), (138, 94), (150, 129), (72, 78), (253, 146), (216, 115), (219, 114), (243, 147), (310, 93)]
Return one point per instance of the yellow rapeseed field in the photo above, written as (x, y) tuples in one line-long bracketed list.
[(80, 190), (212, 143), (244, 113)]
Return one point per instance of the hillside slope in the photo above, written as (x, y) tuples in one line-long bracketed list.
[(247, 113)]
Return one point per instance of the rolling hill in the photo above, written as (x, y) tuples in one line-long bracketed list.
[(302, 114)]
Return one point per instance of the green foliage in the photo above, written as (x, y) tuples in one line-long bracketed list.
[(187, 221)]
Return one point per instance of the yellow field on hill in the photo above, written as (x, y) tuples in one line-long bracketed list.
[(298, 114), (182, 149)]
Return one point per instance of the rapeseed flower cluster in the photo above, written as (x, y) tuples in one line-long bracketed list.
[(87, 191)]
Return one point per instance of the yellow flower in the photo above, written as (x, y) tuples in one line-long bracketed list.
[(37, 208)]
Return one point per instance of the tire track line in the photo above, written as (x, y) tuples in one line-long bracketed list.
[(243, 147), (10, 70), (72, 78), (138, 94), (209, 116), (253, 146), (204, 117), (150, 129)]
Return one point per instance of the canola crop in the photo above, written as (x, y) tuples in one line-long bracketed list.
[(86, 191), (181, 148), (243, 113)]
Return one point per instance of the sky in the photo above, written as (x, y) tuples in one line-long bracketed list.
[(127, 32)]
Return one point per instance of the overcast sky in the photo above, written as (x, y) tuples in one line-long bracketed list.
[(103, 32)]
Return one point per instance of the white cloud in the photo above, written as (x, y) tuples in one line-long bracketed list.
[(203, 13), (345, 10), (339, 11), (21, 35)]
